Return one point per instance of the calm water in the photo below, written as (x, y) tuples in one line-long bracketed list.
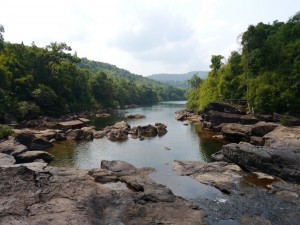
[(180, 143)]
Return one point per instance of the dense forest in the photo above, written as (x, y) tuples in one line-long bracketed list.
[(265, 73), (51, 81)]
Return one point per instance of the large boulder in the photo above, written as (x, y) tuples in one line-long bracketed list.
[(116, 165), (281, 162), (25, 138), (222, 107), (31, 156), (31, 141), (236, 132), (262, 128)]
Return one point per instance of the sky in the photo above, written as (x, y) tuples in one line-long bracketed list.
[(143, 36)]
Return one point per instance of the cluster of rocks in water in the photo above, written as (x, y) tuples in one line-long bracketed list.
[(260, 142)]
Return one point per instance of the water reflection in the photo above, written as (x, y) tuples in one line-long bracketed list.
[(180, 143)]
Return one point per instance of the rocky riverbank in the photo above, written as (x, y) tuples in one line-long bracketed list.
[(257, 175), (35, 194)]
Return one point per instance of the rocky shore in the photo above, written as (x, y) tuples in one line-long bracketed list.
[(258, 176)]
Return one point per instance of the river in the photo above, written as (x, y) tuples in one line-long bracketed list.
[(181, 142)]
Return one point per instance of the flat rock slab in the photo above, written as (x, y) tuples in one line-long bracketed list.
[(221, 175), (284, 137), (281, 162), (71, 196), (12, 147)]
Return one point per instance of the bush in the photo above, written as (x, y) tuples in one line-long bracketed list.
[(5, 131)]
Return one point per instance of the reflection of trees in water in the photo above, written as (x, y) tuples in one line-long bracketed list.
[(207, 144)]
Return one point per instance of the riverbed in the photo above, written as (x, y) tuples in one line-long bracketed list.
[(181, 142)]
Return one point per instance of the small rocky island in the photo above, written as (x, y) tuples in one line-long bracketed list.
[(257, 172)]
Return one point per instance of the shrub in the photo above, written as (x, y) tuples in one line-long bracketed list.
[(5, 131)]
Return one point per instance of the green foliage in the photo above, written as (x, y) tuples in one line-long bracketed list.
[(285, 120), (51, 81), (266, 73), (5, 131)]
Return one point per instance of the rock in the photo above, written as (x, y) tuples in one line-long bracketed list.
[(116, 165), (135, 116), (217, 157), (222, 107), (283, 137), (161, 129), (236, 132), (121, 125), (218, 118), (31, 156), (103, 115), (181, 117), (79, 135), (221, 175), (118, 135), (25, 138), (266, 118), (262, 128), (12, 147), (6, 159), (40, 144), (281, 162), (185, 124), (254, 140), (52, 195), (254, 220)]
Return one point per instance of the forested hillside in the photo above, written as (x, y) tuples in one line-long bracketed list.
[(265, 73), (50, 81), (178, 80)]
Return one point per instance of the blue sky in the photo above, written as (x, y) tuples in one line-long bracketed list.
[(142, 36)]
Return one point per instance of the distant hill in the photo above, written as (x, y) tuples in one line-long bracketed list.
[(178, 80)]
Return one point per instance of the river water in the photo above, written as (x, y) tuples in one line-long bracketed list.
[(181, 142)]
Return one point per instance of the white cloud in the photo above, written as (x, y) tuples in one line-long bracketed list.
[(143, 36)]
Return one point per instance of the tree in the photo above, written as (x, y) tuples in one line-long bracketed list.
[(1, 36), (216, 62)]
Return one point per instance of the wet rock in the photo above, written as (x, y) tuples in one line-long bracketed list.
[(236, 132), (11, 147), (161, 129), (221, 175), (31, 156), (281, 162), (135, 116), (222, 107), (6, 159)]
